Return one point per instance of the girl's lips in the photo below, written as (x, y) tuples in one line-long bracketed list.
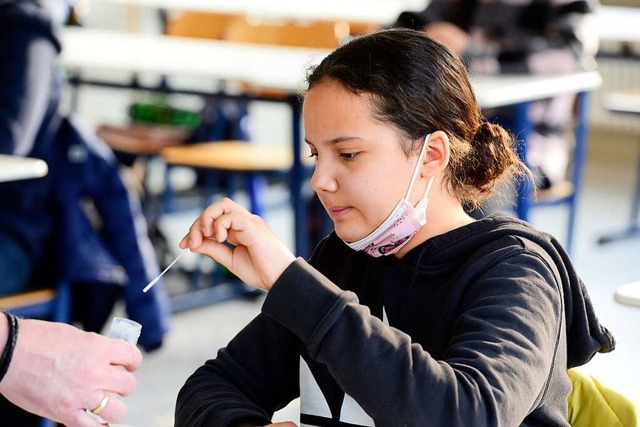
[(340, 210)]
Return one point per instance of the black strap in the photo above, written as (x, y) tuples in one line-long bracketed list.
[(12, 338)]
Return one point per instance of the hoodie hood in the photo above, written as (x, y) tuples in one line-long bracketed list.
[(585, 335)]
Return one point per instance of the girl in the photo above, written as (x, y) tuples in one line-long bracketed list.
[(410, 312)]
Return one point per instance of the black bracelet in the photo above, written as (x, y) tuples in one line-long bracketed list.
[(12, 338)]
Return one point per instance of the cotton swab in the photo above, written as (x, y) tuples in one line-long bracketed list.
[(153, 282)]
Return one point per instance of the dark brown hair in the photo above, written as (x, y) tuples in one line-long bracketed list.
[(419, 86)]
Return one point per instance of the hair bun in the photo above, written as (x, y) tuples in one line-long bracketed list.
[(493, 156), (487, 132)]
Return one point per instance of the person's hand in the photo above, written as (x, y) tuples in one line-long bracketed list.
[(57, 371), (256, 256), (450, 35)]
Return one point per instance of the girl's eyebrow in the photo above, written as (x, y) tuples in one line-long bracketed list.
[(337, 139)]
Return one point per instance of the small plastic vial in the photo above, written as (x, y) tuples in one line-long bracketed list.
[(125, 330)]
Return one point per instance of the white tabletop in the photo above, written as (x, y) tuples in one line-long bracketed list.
[(496, 91), (13, 168), (620, 24), (268, 66), (628, 294), (623, 102), (379, 11)]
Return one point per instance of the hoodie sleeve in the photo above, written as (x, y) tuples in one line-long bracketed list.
[(254, 376), (494, 372)]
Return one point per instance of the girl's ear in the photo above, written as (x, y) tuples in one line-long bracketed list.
[(436, 157)]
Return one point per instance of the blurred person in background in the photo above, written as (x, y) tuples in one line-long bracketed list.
[(521, 36), (79, 224)]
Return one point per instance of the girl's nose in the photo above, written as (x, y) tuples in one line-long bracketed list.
[(322, 179)]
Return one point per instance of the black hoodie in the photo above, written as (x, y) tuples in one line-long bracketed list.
[(484, 322)]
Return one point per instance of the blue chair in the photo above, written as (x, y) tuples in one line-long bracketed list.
[(565, 193)]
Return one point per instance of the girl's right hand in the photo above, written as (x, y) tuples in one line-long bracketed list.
[(240, 241)]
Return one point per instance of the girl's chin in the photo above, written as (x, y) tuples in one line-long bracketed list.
[(346, 236)]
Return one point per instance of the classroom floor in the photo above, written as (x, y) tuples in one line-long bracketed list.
[(197, 334)]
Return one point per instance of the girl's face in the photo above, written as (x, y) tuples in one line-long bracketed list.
[(361, 171)]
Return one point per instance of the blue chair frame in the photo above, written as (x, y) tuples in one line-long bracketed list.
[(525, 200)]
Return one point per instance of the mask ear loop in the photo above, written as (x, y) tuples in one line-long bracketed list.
[(426, 192), (417, 168)]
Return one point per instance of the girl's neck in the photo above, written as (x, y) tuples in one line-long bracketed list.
[(443, 215)]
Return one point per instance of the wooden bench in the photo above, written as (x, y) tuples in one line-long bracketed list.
[(254, 161), (50, 304)]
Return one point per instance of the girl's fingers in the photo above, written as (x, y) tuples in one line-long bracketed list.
[(203, 227), (184, 243), (200, 229), (229, 223), (220, 252)]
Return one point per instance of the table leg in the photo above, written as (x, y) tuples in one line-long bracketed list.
[(522, 126), (633, 228), (296, 182), (579, 157)]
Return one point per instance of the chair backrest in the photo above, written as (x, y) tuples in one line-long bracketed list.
[(320, 34), (206, 25), (202, 25), (317, 34), (359, 28)]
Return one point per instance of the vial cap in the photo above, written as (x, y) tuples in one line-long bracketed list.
[(125, 330)]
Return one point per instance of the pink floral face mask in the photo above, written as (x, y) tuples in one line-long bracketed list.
[(402, 223)]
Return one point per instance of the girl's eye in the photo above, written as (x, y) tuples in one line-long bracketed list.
[(312, 154), (349, 156)]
